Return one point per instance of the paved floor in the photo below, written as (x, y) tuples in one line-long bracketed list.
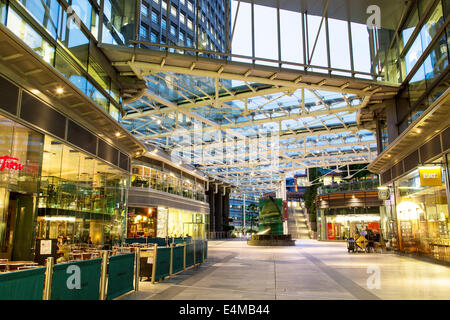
[(310, 270)]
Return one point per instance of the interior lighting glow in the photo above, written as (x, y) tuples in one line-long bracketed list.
[(352, 218), (68, 219)]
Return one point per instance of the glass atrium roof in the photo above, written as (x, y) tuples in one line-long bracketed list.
[(245, 133)]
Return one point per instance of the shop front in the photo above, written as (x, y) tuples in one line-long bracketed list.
[(164, 222), (141, 222), (20, 157), (340, 224), (423, 212), (58, 180), (81, 199), (342, 215)]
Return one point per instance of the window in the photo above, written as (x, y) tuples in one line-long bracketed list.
[(183, 2), (190, 24), (173, 10), (144, 9), (173, 30), (189, 41), (164, 5), (182, 18), (153, 37), (190, 6), (181, 37), (156, 1), (155, 16), (143, 31), (163, 23)]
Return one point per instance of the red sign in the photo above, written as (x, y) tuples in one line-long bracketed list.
[(374, 226), (330, 227), (10, 163)]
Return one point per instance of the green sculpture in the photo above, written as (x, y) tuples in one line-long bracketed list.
[(270, 216)]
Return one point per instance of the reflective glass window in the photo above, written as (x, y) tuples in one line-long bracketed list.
[(31, 37), (45, 12), (361, 48), (266, 35), (65, 65), (318, 54), (83, 9), (155, 16), (144, 9), (143, 31), (339, 45), (74, 40), (291, 37)]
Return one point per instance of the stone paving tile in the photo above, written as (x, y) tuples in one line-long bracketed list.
[(310, 270)]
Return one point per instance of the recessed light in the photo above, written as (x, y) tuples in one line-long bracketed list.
[(418, 130), (117, 134), (35, 91), (59, 90)]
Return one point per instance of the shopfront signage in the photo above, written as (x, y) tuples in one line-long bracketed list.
[(383, 193), (10, 163), (430, 177)]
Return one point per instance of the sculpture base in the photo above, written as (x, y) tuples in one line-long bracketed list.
[(271, 240)]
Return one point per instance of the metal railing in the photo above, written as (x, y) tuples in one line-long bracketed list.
[(349, 186)]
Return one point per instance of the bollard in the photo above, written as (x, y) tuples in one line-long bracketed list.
[(194, 251), (171, 260), (104, 274), (155, 251), (184, 256), (203, 250), (137, 268), (48, 278)]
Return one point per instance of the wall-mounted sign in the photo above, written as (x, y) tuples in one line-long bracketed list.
[(383, 193), (10, 163), (430, 176)]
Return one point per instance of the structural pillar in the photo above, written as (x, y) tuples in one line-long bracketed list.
[(212, 217), (218, 211)]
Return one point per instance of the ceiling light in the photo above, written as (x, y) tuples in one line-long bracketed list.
[(117, 134), (35, 91), (418, 130), (59, 90)]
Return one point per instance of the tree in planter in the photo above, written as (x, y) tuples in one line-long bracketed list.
[(252, 217)]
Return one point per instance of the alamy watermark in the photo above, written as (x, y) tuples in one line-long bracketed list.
[(374, 20), (74, 280), (374, 280)]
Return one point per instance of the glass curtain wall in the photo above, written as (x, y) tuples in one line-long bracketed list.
[(187, 223), (167, 181), (422, 213), (58, 35), (80, 198), (18, 188)]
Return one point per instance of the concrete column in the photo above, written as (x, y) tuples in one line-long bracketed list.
[(225, 207), (391, 118), (218, 212), (212, 217)]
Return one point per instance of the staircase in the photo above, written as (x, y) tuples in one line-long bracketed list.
[(297, 224)]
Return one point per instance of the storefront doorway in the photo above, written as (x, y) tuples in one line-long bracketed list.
[(18, 227)]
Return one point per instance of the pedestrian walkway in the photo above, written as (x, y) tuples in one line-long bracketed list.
[(310, 270)]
